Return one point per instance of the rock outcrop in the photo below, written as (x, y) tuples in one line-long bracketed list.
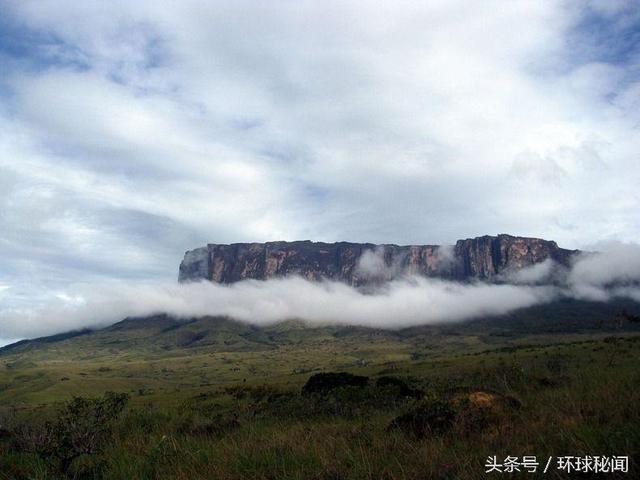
[(483, 258)]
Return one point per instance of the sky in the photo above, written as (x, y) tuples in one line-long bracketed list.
[(132, 131)]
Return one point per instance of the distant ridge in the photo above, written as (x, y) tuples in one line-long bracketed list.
[(482, 258), (162, 335)]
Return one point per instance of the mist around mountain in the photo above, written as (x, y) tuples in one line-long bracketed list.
[(283, 350), (387, 287), (141, 396), (328, 167), (160, 335)]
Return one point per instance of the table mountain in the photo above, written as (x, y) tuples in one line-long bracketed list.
[(486, 258)]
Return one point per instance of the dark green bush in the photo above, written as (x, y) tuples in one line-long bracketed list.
[(82, 428), (432, 417), (399, 388), (325, 382)]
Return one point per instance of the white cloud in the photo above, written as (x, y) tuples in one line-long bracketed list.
[(400, 303), (404, 302), (374, 266), (372, 263), (535, 274), (133, 131), (618, 265), (445, 256)]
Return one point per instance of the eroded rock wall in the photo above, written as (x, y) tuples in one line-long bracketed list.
[(483, 258)]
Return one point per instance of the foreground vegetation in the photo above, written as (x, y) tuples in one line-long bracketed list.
[(400, 410)]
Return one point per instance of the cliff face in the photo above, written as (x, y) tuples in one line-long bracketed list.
[(483, 258)]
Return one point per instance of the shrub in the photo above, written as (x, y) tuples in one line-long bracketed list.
[(254, 393), (208, 426), (325, 382), (85, 424), (398, 387), (31, 438), (480, 410), (82, 428), (433, 417)]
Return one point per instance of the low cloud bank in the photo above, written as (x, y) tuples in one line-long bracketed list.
[(615, 272), (399, 303), (402, 302), (380, 265)]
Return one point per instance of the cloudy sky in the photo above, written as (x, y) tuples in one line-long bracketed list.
[(131, 131)]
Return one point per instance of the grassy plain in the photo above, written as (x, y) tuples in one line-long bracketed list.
[(212, 398)]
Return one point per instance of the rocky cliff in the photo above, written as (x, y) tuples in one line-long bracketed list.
[(482, 258)]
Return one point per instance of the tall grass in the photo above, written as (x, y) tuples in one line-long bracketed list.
[(571, 400)]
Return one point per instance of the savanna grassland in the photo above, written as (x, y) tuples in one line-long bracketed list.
[(212, 398)]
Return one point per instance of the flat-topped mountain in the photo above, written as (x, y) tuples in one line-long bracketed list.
[(482, 258)]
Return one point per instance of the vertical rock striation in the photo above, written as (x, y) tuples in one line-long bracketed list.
[(482, 258)]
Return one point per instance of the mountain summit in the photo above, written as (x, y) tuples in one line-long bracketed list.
[(482, 258)]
